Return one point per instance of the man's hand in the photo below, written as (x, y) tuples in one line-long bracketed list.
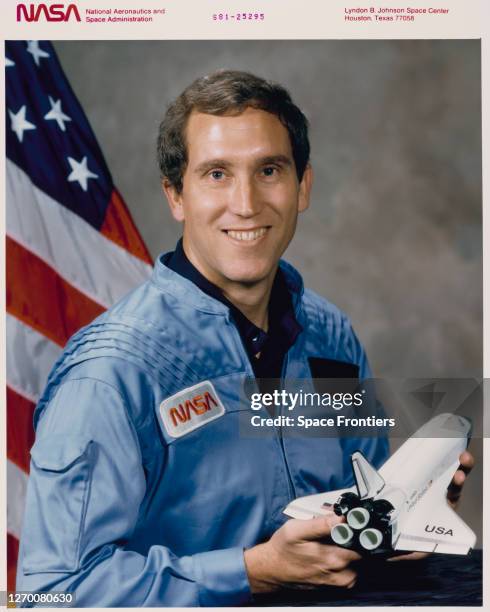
[(466, 463), (297, 556)]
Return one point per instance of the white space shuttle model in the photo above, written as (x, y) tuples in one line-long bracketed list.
[(402, 506)]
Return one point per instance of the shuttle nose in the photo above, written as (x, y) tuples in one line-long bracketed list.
[(457, 423), (468, 424)]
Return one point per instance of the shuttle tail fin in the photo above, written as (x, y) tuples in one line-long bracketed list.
[(368, 480)]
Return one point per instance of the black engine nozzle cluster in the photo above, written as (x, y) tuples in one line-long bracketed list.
[(368, 523)]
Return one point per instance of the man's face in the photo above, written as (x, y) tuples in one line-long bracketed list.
[(240, 197)]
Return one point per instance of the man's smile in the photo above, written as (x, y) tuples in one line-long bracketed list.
[(247, 235)]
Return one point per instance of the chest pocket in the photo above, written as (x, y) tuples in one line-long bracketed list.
[(56, 498), (331, 368)]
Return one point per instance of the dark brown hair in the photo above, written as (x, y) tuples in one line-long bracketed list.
[(227, 92)]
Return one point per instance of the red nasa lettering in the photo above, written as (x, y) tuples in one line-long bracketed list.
[(51, 12), (199, 404)]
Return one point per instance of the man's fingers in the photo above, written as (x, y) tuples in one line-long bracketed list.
[(456, 486), (338, 558), (315, 528), (318, 529), (345, 578), (458, 479), (467, 462), (413, 556)]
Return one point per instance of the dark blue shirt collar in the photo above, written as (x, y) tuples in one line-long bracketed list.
[(283, 326)]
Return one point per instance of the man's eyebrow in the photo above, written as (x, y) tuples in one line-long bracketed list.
[(209, 164), (276, 159)]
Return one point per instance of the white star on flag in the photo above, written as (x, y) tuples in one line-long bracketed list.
[(80, 172), (19, 122), (36, 52), (8, 62), (56, 114)]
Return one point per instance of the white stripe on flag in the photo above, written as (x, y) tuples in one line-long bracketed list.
[(79, 253), (30, 357), (17, 487)]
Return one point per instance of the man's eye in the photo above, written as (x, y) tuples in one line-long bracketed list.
[(269, 171), (217, 175)]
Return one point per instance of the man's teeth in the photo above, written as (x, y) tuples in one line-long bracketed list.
[(253, 235)]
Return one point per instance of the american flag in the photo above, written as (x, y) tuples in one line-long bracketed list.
[(72, 248)]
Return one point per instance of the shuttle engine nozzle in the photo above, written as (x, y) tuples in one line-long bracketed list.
[(358, 518), (342, 534), (370, 539)]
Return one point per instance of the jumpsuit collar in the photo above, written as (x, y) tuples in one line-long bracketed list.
[(186, 291)]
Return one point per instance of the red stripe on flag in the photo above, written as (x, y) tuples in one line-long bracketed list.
[(12, 555), (39, 297), (119, 227), (20, 431)]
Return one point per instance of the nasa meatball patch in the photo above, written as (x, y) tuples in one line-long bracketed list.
[(191, 408)]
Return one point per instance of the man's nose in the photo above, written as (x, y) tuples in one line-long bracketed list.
[(245, 198)]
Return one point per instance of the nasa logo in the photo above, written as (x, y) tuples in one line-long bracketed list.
[(438, 530), (51, 12), (189, 409), (199, 404)]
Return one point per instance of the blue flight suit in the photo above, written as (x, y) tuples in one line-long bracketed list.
[(142, 495)]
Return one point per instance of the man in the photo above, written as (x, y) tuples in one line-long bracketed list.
[(142, 491)]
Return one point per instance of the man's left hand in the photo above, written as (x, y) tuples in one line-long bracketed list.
[(466, 463)]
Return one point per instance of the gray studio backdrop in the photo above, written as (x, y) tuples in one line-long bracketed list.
[(393, 235)]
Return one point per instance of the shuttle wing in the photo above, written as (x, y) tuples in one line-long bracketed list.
[(441, 531), (433, 526)]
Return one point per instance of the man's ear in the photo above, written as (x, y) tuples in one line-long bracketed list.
[(174, 199), (305, 189)]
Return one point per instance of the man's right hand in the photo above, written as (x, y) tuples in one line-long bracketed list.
[(297, 556)]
